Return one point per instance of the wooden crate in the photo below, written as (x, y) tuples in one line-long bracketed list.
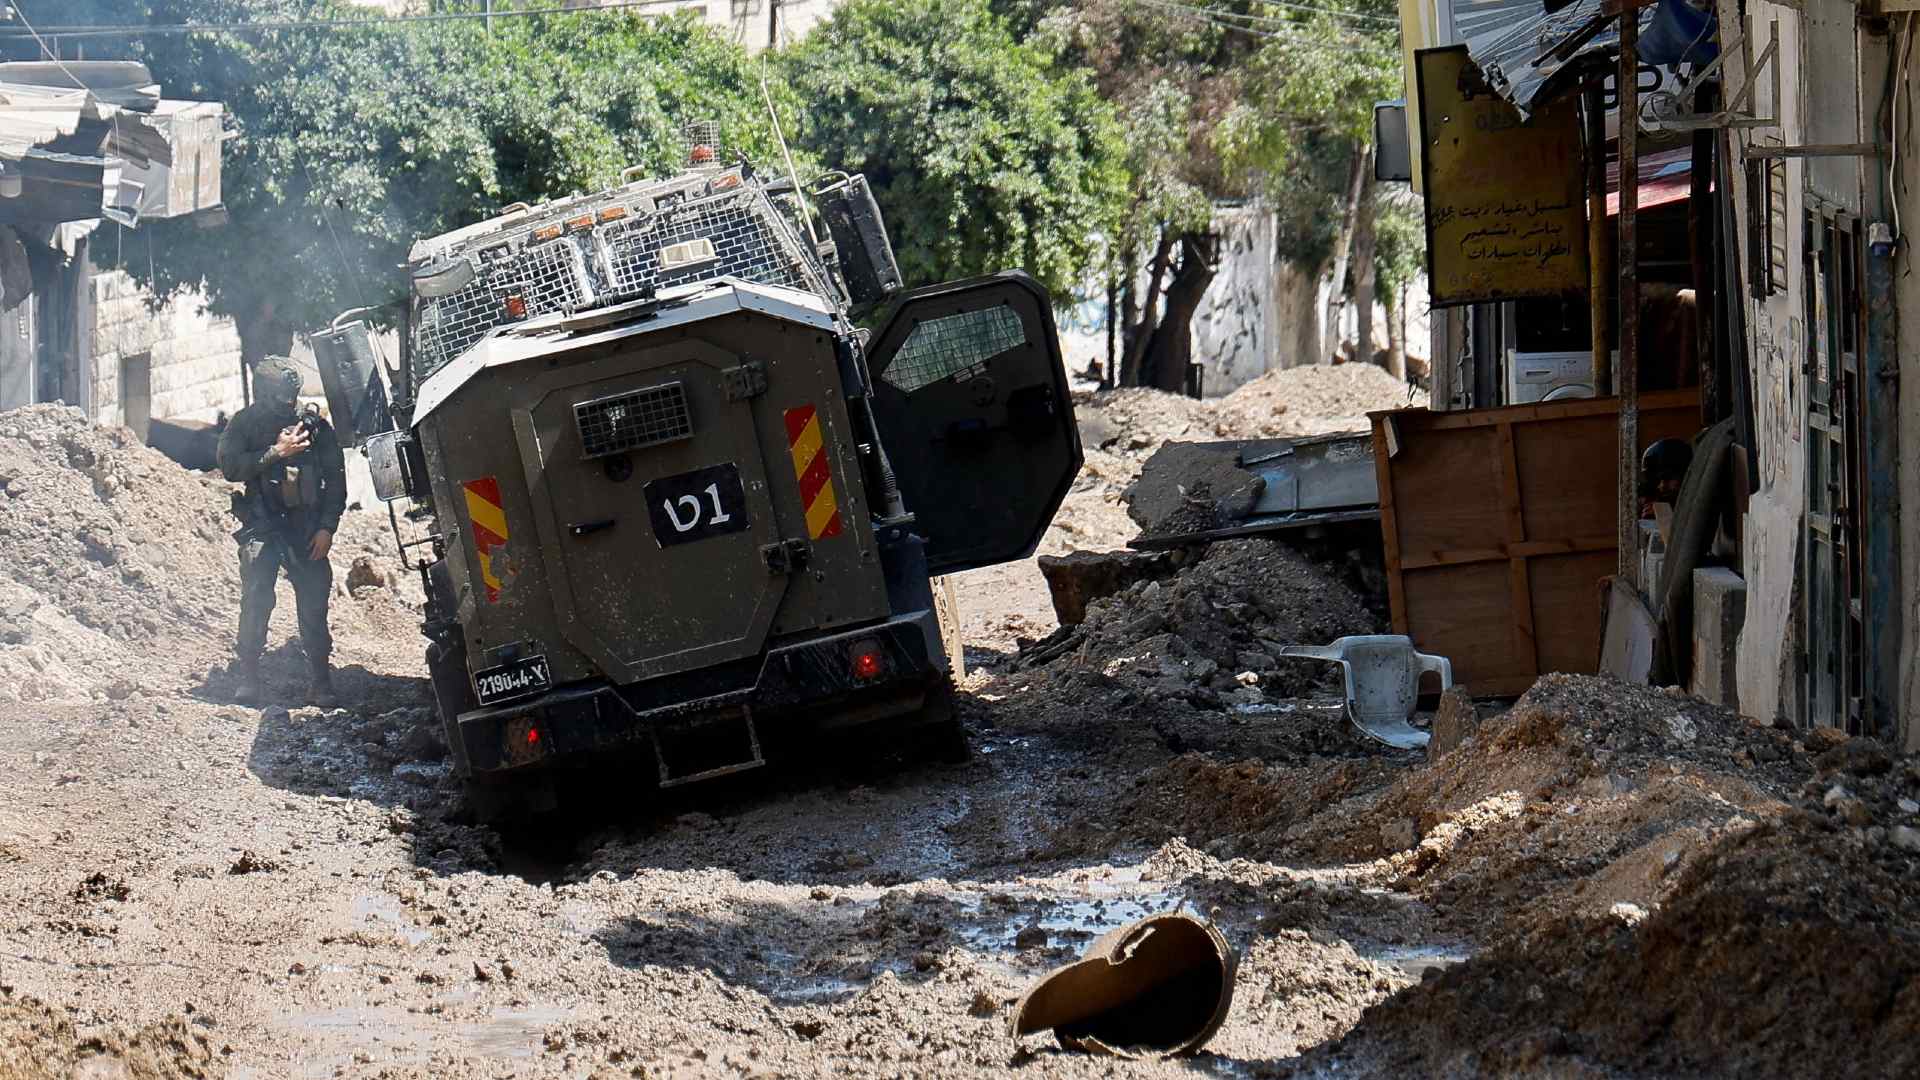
[(1499, 523)]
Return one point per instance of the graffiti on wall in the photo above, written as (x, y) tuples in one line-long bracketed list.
[(1779, 412)]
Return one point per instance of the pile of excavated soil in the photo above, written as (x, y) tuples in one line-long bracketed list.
[(118, 568), (38, 1042), (1213, 633), (107, 557), (1094, 515), (1311, 400), (1782, 947)]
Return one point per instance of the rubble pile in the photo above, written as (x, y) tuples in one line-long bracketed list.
[(1094, 515), (109, 553), (1311, 400), (1777, 940), (114, 559), (1212, 633)]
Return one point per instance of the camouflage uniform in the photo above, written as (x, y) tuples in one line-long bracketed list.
[(287, 501)]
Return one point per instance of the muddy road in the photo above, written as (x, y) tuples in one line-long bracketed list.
[(1592, 884)]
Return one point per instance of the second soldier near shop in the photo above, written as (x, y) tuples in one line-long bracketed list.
[(296, 490)]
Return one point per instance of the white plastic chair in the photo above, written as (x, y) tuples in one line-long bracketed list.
[(1383, 682)]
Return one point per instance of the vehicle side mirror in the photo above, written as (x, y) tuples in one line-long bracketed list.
[(397, 467)]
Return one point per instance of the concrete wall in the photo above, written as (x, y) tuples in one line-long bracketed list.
[(1906, 291), (193, 357), (1236, 330), (1767, 666)]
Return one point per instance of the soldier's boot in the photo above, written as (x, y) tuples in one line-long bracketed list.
[(247, 677), (320, 687)]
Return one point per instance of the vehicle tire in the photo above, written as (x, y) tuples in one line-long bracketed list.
[(452, 693), (939, 736), (946, 609)]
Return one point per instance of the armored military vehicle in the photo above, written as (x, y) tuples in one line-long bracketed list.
[(684, 504)]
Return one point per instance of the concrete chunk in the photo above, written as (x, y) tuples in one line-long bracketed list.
[(1719, 611)]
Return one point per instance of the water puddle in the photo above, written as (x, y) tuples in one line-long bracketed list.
[(511, 1033), (384, 913), (391, 1036), (994, 921), (1414, 961)]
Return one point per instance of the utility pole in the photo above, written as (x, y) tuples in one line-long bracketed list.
[(1626, 374)]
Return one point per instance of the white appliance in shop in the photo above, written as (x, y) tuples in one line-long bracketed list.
[(1548, 376)]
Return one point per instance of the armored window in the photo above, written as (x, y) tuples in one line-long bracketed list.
[(953, 346), (632, 421)]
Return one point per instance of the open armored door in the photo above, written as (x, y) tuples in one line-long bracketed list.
[(971, 398)]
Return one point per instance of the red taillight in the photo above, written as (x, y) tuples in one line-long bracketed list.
[(867, 664), (533, 736)]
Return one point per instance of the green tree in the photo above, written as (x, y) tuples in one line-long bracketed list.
[(353, 143), (984, 151), (1225, 99)]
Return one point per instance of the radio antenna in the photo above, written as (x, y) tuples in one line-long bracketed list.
[(793, 174)]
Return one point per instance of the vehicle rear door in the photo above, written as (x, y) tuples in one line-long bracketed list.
[(970, 394)]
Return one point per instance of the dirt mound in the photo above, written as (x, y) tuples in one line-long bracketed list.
[(117, 567), (38, 1042), (106, 551), (1311, 400), (1213, 633), (1780, 945), (1584, 796), (1094, 515)]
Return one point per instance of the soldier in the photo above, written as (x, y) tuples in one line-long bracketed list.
[(296, 491)]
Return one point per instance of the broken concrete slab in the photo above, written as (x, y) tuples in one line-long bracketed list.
[(1190, 492), (1081, 577), (1184, 483)]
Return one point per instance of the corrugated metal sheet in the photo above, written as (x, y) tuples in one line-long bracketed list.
[(1507, 37), (48, 129)]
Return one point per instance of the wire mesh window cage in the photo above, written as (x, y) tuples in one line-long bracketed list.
[(633, 421), (954, 347), (618, 261)]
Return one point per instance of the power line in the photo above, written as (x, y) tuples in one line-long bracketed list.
[(1337, 12), (1219, 19), (151, 30), (1263, 20), (51, 55)]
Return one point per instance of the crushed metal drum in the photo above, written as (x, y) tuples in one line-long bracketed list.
[(1159, 987)]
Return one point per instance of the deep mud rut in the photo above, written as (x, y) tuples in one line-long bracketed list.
[(1602, 881), (285, 894)]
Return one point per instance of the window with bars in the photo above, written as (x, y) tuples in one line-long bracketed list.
[(633, 421), (954, 346)]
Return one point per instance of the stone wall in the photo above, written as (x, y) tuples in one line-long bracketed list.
[(193, 357)]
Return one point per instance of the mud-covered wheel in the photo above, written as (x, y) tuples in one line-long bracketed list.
[(939, 735), (452, 692), (946, 609), (515, 800)]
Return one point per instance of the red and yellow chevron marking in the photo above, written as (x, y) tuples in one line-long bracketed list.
[(489, 528), (809, 451)]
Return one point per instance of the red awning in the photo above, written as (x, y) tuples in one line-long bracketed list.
[(1665, 177)]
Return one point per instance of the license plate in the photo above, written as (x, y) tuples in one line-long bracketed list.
[(518, 679), (697, 505)]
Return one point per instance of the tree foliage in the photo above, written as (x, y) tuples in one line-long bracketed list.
[(354, 143), (985, 151)]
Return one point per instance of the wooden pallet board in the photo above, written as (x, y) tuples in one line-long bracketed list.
[(1498, 526)]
